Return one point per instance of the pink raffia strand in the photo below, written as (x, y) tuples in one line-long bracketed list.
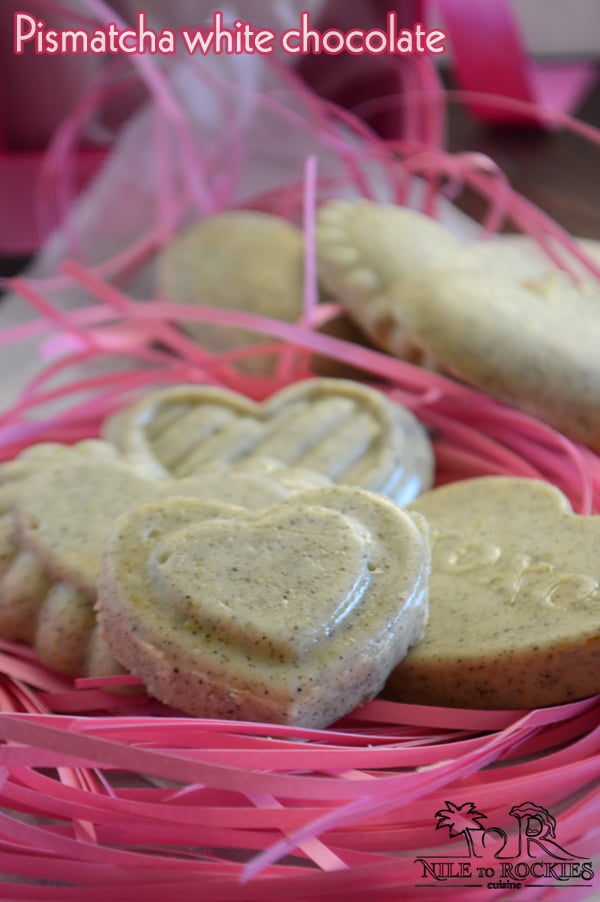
[(343, 802), (117, 796), (166, 106), (555, 458), (56, 191), (288, 366)]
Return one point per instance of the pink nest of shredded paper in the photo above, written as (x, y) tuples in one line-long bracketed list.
[(112, 796)]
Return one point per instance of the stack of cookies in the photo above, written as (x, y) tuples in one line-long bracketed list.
[(246, 561), (287, 561)]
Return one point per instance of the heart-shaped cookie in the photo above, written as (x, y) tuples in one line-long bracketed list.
[(237, 260), (534, 347), (351, 433), (61, 507), (514, 599), (294, 614)]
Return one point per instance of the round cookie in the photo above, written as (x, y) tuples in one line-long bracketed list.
[(53, 531), (293, 614), (514, 599), (237, 260), (533, 347), (349, 432)]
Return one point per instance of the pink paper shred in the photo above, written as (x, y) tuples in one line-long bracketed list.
[(107, 795)]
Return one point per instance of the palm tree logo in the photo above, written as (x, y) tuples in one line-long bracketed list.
[(536, 835), (462, 820)]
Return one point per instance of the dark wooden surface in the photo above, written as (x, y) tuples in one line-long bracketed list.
[(560, 172)]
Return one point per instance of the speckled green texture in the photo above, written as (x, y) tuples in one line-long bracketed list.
[(276, 565), (514, 599), (401, 276), (58, 505), (349, 432), (295, 614), (24, 580)]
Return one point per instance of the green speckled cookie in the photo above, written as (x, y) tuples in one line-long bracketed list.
[(22, 578), (294, 614), (363, 248), (533, 346), (58, 505), (514, 599), (238, 260), (349, 432)]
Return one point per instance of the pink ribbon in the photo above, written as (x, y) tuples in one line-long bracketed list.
[(489, 57)]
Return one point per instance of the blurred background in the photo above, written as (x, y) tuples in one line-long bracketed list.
[(559, 42)]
